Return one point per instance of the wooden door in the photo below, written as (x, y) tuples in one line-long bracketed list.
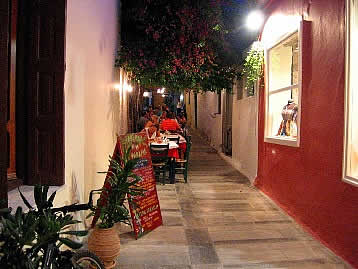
[(45, 89), (4, 88)]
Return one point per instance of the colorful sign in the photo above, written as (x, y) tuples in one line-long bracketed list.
[(147, 215)]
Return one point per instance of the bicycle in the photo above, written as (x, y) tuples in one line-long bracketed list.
[(80, 259)]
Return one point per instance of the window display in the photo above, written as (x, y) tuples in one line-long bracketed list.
[(283, 90), (350, 170)]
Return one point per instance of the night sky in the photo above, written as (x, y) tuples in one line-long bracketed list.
[(234, 15)]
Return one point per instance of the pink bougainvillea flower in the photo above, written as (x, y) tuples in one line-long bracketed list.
[(181, 40), (156, 36), (152, 63)]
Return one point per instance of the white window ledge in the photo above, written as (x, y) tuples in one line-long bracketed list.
[(351, 181), (286, 141)]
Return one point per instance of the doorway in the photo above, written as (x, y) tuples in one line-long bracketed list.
[(227, 124), (32, 67)]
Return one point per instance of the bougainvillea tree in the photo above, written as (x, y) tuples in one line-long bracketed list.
[(176, 44)]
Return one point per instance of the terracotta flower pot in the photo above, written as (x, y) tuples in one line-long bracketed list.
[(105, 244)]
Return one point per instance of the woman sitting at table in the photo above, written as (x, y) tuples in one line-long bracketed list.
[(151, 128), (153, 121), (170, 124)]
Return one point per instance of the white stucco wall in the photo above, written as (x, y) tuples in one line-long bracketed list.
[(244, 135), (210, 123), (94, 110)]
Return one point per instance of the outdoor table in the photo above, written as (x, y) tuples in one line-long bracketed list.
[(182, 143), (173, 148), (173, 152)]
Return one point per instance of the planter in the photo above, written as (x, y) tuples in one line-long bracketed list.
[(105, 244)]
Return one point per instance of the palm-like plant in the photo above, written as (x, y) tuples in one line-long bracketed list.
[(17, 236), (24, 237), (122, 183)]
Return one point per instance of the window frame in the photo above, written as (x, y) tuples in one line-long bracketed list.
[(347, 95), (275, 139)]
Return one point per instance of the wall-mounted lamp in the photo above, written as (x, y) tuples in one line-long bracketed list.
[(117, 86), (255, 20), (129, 88)]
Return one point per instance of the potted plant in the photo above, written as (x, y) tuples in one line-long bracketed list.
[(121, 188), (25, 236)]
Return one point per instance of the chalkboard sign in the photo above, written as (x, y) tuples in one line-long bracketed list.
[(147, 215)]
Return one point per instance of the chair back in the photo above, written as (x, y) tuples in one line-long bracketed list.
[(174, 139), (187, 151), (159, 152)]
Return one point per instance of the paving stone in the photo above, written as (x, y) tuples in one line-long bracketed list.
[(218, 220), (203, 254), (197, 236)]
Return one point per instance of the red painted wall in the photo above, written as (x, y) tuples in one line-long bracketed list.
[(307, 181)]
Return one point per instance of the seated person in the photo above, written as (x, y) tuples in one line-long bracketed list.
[(163, 116), (153, 121), (142, 120), (170, 124), (181, 119), (152, 132), (152, 127)]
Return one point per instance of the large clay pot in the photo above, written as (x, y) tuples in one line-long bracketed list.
[(105, 244)]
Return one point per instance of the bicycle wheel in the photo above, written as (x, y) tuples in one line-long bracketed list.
[(85, 259)]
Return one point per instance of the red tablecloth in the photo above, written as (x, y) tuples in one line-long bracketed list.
[(174, 153)]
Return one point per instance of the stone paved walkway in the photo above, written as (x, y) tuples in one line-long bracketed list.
[(217, 220)]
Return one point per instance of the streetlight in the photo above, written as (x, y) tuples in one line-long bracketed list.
[(255, 20)]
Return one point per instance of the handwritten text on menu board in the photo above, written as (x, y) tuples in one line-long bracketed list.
[(146, 216)]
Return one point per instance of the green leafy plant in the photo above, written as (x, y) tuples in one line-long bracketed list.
[(253, 66), (25, 236), (52, 226), (176, 44), (122, 183), (17, 236)]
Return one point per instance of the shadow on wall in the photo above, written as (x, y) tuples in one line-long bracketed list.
[(76, 197), (118, 105)]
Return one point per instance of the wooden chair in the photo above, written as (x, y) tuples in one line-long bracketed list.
[(160, 160), (188, 138), (175, 139), (181, 165)]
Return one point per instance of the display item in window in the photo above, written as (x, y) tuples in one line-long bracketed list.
[(288, 126)]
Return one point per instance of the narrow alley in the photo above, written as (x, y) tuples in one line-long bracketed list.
[(218, 220)]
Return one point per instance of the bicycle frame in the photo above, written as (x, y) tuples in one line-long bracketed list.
[(52, 250)]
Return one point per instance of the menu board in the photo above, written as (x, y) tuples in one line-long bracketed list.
[(147, 215)]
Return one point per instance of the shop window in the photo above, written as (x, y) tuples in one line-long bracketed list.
[(283, 91), (350, 169)]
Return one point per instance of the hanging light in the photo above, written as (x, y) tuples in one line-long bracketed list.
[(255, 20)]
